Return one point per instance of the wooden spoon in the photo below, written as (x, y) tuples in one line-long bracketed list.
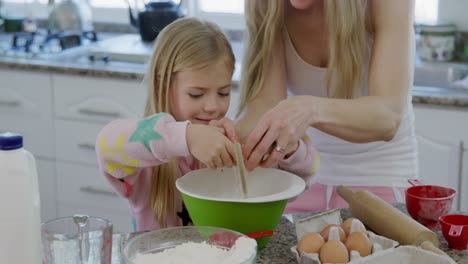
[(242, 172)]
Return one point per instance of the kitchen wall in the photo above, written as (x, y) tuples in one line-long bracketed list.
[(454, 11)]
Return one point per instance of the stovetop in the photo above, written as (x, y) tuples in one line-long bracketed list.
[(44, 43)]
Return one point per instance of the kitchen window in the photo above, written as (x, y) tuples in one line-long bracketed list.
[(227, 13)]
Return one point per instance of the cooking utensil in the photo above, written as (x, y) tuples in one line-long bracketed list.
[(455, 230), (155, 16), (241, 169), (426, 203), (211, 199), (388, 221), (158, 240), (70, 15)]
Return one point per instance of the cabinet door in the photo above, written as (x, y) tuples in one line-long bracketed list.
[(464, 178), (96, 99), (438, 161), (26, 108), (441, 132), (47, 189)]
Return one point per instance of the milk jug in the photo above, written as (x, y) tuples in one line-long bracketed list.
[(20, 237)]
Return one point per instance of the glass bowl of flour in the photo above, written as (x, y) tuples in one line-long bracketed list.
[(191, 244)]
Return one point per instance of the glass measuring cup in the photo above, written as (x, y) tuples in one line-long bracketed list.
[(78, 239)]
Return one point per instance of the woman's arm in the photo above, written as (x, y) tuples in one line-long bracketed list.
[(377, 116), (273, 91), (366, 119)]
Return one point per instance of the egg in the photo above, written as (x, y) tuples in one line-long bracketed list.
[(334, 251), (325, 232), (347, 225), (359, 242), (310, 243)]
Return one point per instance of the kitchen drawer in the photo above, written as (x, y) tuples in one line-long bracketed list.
[(122, 222), (84, 186), (25, 94), (47, 190), (75, 141), (38, 133), (96, 99)]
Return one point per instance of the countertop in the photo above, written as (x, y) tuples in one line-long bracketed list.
[(77, 63), (278, 250)]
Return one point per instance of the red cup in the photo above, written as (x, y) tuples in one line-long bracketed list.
[(455, 230), (426, 203)]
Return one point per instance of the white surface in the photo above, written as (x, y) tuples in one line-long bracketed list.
[(405, 255), (441, 133), (127, 47), (263, 185), (26, 108), (20, 241), (97, 99)]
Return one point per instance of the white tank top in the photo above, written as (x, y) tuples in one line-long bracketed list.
[(357, 164)]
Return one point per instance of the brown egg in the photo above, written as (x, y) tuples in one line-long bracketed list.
[(347, 225), (334, 251), (325, 232), (359, 242), (310, 243)]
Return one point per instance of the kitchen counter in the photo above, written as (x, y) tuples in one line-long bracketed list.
[(278, 250), (76, 62)]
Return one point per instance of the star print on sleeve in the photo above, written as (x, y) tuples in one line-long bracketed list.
[(145, 131)]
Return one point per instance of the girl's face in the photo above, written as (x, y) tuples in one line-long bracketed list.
[(201, 95), (303, 4)]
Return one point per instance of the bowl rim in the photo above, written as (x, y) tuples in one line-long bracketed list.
[(443, 220), (428, 198), (297, 188), (133, 240)]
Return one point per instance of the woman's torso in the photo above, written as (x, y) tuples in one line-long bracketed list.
[(366, 164)]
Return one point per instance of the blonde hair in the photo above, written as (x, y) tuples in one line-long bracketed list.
[(347, 24), (185, 43)]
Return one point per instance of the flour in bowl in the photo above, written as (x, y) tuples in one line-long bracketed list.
[(191, 253)]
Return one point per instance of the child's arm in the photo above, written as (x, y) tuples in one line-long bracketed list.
[(127, 148), (303, 162)]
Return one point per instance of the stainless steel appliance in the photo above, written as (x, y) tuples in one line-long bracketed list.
[(70, 15)]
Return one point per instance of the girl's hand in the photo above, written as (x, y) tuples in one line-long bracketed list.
[(209, 145), (277, 132), (228, 126)]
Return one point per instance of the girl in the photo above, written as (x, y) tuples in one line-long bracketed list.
[(189, 88)]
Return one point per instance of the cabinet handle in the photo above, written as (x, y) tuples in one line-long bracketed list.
[(98, 113), (10, 103), (87, 146), (94, 190), (460, 171)]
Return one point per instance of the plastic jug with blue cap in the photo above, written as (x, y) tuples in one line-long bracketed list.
[(20, 234)]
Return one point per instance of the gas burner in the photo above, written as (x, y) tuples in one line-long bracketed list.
[(44, 43)]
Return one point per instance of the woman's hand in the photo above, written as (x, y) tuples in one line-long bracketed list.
[(209, 145), (228, 126), (278, 132)]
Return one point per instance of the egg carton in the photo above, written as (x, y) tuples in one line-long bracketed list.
[(405, 255), (318, 222)]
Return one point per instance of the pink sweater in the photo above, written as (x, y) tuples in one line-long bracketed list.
[(128, 149)]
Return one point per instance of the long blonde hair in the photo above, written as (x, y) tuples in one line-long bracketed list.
[(185, 43), (347, 23)]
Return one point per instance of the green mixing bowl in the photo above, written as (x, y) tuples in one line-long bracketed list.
[(214, 198)]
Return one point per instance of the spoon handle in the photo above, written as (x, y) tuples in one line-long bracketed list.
[(241, 167)]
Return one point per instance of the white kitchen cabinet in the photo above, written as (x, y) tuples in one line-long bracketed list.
[(442, 134), (82, 106), (26, 108), (47, 187)]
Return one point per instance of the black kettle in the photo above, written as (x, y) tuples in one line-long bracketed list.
[(155, 16)]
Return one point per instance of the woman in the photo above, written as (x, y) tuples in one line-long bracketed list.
[(339, 72)]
